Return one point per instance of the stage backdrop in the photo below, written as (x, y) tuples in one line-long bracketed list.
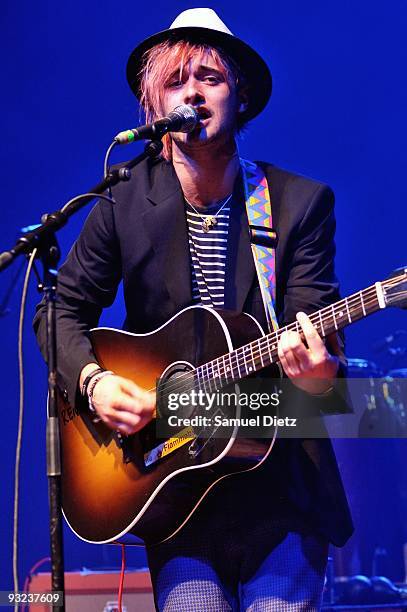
[(338, 113)]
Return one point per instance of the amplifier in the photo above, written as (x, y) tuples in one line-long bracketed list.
[(97, 591)]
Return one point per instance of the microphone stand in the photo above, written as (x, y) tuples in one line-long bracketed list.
[(44, 239)]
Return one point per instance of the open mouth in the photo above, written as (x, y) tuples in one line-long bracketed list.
[(203, 113)]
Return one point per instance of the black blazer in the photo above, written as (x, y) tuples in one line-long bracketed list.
[(142, 239)]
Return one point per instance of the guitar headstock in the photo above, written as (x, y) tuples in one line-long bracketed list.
[(395, 288)]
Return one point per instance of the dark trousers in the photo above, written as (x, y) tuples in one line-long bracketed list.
[(219, 562)]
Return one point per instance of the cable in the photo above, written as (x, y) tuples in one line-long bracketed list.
[(120, 596), (21, 393), (29, 576), (100, 196), (20, 420), (106, 164)]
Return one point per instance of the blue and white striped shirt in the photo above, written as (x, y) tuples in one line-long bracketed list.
[(208, 255)]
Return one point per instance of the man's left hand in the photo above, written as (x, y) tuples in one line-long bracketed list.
[(313, 368)]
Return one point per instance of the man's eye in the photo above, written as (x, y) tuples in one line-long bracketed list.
[(174, 83), (211, 79)]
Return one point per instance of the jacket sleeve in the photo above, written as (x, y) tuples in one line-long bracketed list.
[(312, 284), (87, 283)]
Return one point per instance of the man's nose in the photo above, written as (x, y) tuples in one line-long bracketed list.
[(192, 92)]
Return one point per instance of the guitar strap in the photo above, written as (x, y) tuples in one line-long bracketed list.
[(263, 237)]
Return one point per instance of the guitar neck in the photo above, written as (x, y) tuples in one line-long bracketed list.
[(263, 352)]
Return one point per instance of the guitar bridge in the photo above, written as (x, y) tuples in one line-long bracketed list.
[(124, 444), (195, 447)]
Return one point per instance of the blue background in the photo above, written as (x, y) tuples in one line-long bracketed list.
[(338, 113)]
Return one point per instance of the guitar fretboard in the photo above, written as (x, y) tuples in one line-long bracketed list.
[(259, 354)]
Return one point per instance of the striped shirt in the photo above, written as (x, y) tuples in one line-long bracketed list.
[(208, 255)]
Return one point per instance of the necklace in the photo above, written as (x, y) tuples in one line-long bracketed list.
[(209, 221)]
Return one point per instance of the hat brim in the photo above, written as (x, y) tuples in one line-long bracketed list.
[(255, 69)]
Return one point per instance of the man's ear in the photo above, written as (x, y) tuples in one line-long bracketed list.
[(243, 101)]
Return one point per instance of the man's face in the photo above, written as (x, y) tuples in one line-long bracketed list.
[(203, 84)]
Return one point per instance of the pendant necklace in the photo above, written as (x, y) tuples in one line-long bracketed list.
[(209, 221)]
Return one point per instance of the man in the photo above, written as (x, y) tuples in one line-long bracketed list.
[(267, 548)]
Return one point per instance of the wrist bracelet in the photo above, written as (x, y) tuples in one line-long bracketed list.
[(87, 380), (92, 385)]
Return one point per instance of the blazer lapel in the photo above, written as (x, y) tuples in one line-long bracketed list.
[(166, 225), (240, 269)]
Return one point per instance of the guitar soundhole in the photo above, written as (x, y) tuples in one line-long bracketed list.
[(176, 379)]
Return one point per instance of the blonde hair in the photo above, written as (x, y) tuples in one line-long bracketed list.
[(159, 64)]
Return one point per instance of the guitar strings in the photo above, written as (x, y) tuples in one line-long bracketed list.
[(264, 341), (240, 359), (365, 298)]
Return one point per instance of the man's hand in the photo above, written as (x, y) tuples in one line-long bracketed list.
[(311, 369), (122, 405)]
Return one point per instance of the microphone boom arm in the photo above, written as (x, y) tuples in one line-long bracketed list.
[(54, 221)]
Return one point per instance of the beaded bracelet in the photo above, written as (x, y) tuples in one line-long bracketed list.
[(92, 385)]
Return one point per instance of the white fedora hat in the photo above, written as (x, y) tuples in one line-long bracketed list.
[(202, 25)]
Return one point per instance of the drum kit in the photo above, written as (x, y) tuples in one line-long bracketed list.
[(382, 396), (379, 403), (372, 457)]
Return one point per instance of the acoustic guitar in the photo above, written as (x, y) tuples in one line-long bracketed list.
[(142, 488)]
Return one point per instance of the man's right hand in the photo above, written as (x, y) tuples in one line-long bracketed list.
[(122, 405)]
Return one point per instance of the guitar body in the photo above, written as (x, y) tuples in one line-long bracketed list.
[(110, 493)]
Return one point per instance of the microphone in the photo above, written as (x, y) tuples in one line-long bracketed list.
[(182, 119)]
